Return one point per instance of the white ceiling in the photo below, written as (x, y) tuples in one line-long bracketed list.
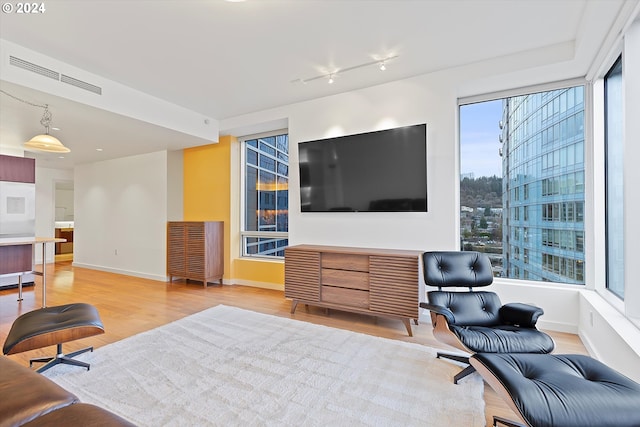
[(223, 59)]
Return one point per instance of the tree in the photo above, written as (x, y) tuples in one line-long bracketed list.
[(483, 191), (483, 223)]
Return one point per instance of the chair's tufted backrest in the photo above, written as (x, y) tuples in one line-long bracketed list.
[(457, 269)]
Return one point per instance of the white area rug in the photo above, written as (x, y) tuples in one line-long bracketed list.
[(227, 366)]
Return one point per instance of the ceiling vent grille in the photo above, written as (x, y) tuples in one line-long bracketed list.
[(38, 69), (81, 84), (26, 65)]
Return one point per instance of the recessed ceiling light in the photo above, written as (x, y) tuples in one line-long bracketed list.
[(98, 149)]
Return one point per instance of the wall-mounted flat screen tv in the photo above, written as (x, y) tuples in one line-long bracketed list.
[(381, 171)]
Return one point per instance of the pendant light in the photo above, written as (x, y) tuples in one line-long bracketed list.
[(43, 142), (46, 142)]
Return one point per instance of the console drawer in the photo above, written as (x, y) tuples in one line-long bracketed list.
[(345, 279), (347, 297), (342, 261)]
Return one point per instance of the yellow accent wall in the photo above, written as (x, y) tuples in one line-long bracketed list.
[(208, 197), (262, 274)]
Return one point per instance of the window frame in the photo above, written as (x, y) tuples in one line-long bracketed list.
[(244, 233), (588, 235), (618, 62)]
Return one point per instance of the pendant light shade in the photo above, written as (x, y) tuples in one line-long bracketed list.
[(47, 143)]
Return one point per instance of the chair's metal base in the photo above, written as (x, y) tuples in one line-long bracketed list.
[(59, 358), (506, 422), (463, 359)]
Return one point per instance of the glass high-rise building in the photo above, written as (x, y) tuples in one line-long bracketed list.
[(542, 151)]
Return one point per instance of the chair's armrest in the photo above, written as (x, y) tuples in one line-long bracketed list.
[(438, 309), (523, 315)]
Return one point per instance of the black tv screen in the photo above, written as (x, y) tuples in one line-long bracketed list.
[(381, 171)]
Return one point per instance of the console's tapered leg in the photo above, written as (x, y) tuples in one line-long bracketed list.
[(407, 324)]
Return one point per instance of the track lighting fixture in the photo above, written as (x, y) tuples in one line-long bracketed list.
[(381, 63)]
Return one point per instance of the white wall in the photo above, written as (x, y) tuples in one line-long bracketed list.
[(121, 215), (608, 335), (175, 185), (422, 100), (64, 205), (559, 302), (631, 73)]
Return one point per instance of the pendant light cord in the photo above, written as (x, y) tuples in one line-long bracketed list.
[(46, 116)]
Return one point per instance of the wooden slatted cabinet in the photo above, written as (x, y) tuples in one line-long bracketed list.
[(195, 250), (379, 282)]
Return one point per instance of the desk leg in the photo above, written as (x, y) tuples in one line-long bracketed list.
[(44, 275)]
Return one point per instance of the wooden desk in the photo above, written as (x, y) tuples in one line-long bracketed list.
[(17, 257)]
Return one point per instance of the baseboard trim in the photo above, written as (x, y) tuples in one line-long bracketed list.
[(557, 326), (159, 278), (256, 284)]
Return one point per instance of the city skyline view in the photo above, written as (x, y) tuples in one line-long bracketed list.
[(522, 184)]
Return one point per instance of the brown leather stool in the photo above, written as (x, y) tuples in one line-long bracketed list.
[(54, 325)]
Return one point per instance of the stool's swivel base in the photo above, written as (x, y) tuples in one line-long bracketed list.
[(59, 358)]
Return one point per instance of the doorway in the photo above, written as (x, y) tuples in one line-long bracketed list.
[(64, 223)]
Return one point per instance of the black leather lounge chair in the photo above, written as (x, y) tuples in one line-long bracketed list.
[(476, 322)]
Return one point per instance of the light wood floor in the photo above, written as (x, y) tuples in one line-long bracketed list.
[(130, 305)]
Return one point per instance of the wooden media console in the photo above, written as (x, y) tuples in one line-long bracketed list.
[(379, 282)]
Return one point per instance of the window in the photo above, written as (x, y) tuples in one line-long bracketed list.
[(614, 178), (265, 194), (523, 156)]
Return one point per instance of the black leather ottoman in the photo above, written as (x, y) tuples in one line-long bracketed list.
[(570, 390), (54, 326)]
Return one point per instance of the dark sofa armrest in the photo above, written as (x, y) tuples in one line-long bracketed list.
[(438, 309), (523, 315)]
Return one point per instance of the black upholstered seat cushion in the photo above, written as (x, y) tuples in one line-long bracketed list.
[(478, 321), (565, 390)]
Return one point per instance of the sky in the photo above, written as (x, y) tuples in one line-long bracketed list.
[(479, 142)]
